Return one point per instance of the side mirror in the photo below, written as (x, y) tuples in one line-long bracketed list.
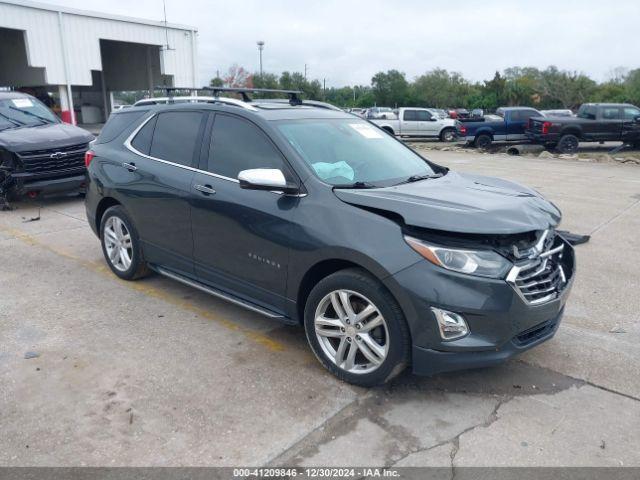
[(636, 119), (271, 179), (433, 119)]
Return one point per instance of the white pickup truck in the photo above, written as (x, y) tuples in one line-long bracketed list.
[(420, 122)]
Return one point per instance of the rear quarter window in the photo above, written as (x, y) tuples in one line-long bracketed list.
[(117, 123)]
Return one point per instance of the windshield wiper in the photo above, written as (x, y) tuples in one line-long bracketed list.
[(17, 123), (356, 185), (417, 178), (26, 112)]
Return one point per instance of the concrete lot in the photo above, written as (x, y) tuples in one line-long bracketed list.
[(154, 373)]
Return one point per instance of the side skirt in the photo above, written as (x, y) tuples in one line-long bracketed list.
[(222, 295)]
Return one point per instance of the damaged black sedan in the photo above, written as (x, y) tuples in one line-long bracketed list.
[(38, 153), (315, 217)]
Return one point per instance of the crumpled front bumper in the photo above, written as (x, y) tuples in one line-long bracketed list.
[(501, 323)]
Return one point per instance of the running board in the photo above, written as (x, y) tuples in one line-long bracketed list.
[(217, 293)]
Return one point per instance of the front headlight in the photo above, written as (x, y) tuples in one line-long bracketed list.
[(485, 263)]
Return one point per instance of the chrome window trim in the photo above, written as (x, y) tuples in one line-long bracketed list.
[(127, 144)]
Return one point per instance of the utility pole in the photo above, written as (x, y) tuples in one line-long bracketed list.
[(305, 71), (324, 88), (260, 44)]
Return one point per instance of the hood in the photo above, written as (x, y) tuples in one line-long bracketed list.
[(461, 203), (43, 136)]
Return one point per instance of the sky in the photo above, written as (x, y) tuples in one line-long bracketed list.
[(347, 41)]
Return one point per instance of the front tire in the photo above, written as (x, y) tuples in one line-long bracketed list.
[(121, 244), (356, 328), (448, 135)]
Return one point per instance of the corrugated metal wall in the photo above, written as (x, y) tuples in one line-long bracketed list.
[(82, 39)]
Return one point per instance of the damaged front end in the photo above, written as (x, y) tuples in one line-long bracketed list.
[(538, 264), (41, 172), (7, 182)]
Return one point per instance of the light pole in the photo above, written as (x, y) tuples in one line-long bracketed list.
[(260, 48)]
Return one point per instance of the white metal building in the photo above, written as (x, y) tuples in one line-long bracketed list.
[(86, 55)]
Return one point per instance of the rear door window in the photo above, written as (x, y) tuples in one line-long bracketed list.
[(237, 145), (175, 136), (611, 113), (588, 112), (410, 116)]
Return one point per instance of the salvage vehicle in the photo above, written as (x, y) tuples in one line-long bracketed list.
[(511, 127), (420, 122), (314, 217), (38, 153), (595, 122)]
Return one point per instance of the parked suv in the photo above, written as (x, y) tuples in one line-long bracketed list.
[(38, 153), (312, 216)]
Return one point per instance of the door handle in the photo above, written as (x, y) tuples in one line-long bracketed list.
[(205, 189), (130, 166)]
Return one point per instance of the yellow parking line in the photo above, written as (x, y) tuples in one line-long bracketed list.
[(150, 291)]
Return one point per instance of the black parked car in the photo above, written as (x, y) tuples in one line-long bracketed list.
[(38, 153), (595, 122), (312, 216)]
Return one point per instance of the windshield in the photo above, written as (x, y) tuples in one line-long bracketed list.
[(346, 151), (24, 111)]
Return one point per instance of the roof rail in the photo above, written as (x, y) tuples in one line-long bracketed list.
[(311, 103), (294, 99)]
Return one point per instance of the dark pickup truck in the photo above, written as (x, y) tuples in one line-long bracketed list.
[(508, 128), (595, 122)]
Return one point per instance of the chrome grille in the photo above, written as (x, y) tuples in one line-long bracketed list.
[(53, 160), (541, 279)]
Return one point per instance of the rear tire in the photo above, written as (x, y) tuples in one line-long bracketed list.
[(121, 244), (483, 141), (568, 143), (328, 328)]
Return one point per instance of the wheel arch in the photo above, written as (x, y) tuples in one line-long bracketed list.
[(484, 131), (571, 130), (103, 206), (444, 129), (325, 267)]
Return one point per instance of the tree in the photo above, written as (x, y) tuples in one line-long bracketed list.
[(441, 89), (390, 89), (216, 82), (237, 77), (632, 86), (564, 88)]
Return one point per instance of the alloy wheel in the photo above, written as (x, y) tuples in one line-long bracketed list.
[(351, 331), (117, 242), (449, 136), (569, 145)]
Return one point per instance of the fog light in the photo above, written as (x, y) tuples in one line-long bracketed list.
[(451, 325)]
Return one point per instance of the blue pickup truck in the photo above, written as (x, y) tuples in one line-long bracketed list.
[(510, 127)]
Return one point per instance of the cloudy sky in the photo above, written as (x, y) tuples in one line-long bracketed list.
[(347, 41)]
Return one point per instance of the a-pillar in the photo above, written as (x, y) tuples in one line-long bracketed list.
[(66, 104)]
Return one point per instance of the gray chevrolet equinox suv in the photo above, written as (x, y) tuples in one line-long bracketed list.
[(313, 216)]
